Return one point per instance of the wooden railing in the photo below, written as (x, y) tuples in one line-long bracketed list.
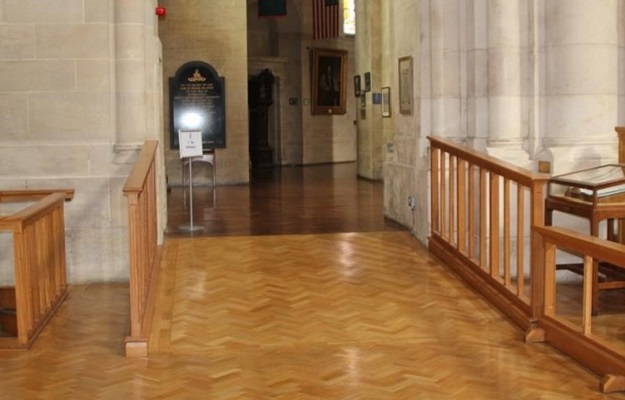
[(474, 198), (573, 335), (144, 252), (39, 260)]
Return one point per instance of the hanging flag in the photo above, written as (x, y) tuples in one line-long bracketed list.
[(271, 8), (325, 19)]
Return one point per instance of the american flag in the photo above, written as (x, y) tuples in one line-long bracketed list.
[(325, 19)]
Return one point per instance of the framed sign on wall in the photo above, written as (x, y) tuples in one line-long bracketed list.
[(405, 85), (329, 81)]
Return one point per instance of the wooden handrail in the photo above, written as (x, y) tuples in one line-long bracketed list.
[(490, 163), (35, 211), (39, 261), (471, 215), (140, 171), (144, 252), (578, 340), (17, 196), (600, 249)]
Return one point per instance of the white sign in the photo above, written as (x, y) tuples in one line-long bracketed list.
[(190, 143)]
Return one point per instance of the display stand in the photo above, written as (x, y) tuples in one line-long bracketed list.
[(595, 194), (190, 146)]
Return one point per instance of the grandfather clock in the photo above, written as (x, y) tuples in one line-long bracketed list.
[(260, 98)]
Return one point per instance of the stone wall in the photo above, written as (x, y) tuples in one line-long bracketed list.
[(522, 81), (78, 91), (215, 33), (285, 45)]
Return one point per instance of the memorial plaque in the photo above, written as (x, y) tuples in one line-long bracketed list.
[(197, 102)]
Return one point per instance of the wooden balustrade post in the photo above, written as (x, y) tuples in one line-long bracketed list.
[(620, 131), (134, 242), (537, 216), (435, 188)]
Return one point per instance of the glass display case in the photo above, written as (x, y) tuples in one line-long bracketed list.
[(596, 194), (604, 184)]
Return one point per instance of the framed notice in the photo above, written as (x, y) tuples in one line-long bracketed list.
[(367, 81), (386, 102), (357, 85), (190, 143), (405, 85)]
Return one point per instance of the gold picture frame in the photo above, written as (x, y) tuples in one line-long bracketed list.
[(329, 81)]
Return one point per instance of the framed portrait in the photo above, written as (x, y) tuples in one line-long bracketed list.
[(357, 86), (386, 102), (329, 81), (367, 81), (405, 85), (363, 100)]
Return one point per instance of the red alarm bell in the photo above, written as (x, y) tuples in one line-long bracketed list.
[(160, 11)]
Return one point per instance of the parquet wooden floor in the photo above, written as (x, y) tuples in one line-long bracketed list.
[(351, 315)]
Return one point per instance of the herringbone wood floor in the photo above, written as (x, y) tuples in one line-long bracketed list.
[(305, 315)]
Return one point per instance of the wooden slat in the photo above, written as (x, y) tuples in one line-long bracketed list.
[(483, 217), (435, 189), (587, 296), (453, 235), (506, 232), (550, 279), (520, 234), (443, 181), (472, 219), (494, 225), (462, 206)]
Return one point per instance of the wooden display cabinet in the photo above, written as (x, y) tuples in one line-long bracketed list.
[(596, 194)]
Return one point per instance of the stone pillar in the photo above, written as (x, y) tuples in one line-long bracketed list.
[(507, 38), (130, 74), (504, 73), (368, 59), (445, 69), (581, 82)]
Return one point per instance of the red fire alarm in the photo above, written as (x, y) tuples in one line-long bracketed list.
[(160, 11)]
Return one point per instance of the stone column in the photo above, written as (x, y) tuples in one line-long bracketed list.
[(130, 72), (504, 73), (581, 83)]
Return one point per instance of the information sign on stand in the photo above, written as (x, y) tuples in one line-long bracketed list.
[(190, 143), (190, 146)]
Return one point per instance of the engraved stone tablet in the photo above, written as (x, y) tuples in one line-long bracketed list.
[(197, 102)]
